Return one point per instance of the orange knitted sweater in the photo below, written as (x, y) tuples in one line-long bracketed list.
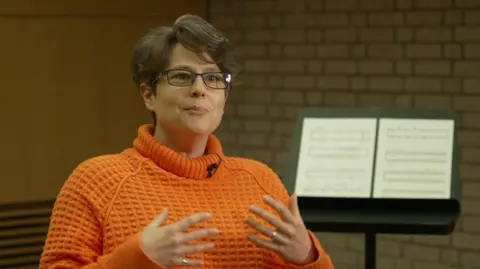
[(108, 200)]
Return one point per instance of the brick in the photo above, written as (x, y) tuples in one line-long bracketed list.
[(423, 18), (380, 100), (453, 17), (424, 84), (227, 137), (251, 109), (299, 82), (235, 125), (275, 51), (331, 20), (472, 17), (376, 35), (470, 120), (358, 19), (469, 138), (423, 51), (422, 253), (291, 112), (332, 83), (252, 51), (471, 224), (290, 97), (315, 36), (452, 85), (314, 98), (471, 155), (358, 51), (404, 101), (389, 248), (467, 68), (252, 139), (378, 5), (348, 35), (339, 99), (340, 67), (276, 81), (230, 110), (376, 67), (471, 86), (252, 80), (225, 22), (299, 51), (258, 36), (380, 51), (281, 158), (314, 5), (472, 51), (257, 96), (252, 21), (385, 262), (403, 67), (429, 265), (450, 257), (467, 3), (467, 33), (433, 240), (287, 5), (466, 241), (315, 67), (252, 7), (452, 51), (275, 142), (470, 207), (274, 20), (290, 36), (433, 101), (389, 84), (335, 5), (275, 111), (385, 19), (332, 51), (404, 4), (257, 125), (358, 83), (284, 127), (427, 4), (289, 66), (403, 34), (434, 68), (261, 155), (469, 171), (433, 35), (470, 259), (297, 20)]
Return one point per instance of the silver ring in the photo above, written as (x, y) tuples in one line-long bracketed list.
[(274, 234), (184, 261)]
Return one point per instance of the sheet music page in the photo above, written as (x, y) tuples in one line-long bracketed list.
[(414, 158), (336, 157)]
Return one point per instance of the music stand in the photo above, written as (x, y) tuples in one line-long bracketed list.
[(372, 216)]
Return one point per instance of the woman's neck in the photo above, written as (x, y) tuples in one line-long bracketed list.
[(188, 144)]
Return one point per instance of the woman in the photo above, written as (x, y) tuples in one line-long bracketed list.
[(174, 199)]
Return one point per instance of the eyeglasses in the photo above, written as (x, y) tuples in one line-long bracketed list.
[(185, 78)]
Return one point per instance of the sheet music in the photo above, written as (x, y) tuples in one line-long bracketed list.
[(414, 158), (336, 157)]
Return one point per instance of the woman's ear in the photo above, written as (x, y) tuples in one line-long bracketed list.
[(148, 95)]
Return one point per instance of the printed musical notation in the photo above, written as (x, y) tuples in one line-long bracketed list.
[(349, 157), (336, 157), (414, 158)]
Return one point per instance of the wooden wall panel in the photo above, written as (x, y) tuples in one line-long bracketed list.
[(66, 89)]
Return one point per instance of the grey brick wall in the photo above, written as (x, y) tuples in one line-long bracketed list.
[(403, 53)]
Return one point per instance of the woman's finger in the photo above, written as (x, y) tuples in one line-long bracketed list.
[(191, 221), (275, 236), (273, 220), (282, 210), (197, 235), (193, 249), (181, 261)]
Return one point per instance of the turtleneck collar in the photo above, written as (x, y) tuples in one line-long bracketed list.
[(172, 161)]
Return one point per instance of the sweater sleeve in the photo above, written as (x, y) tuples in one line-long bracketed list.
[(274, 187), (74, 239)]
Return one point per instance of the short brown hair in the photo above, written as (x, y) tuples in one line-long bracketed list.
[(152, 52)]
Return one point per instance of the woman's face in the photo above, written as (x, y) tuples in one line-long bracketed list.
[(195, 108)]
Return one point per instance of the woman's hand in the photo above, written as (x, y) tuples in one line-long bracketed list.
[(290, 237), (167, 245)]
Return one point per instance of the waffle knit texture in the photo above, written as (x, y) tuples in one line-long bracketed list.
[(108, 200)]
